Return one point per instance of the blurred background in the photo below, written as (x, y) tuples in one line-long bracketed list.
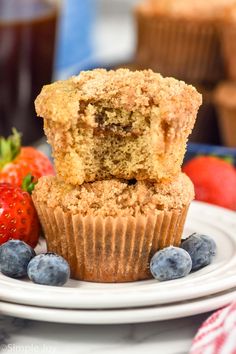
[(46, 40), (111, 36)]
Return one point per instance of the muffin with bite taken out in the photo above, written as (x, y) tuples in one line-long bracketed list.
[(118, 124), (118, 139)]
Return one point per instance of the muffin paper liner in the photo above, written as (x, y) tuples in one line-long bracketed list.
[(109, 249), (227, 122), (184, 49), (228, 42)]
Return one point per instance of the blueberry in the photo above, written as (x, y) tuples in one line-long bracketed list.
[(201, 249), (170, 263), (14, 258), (49, 269)]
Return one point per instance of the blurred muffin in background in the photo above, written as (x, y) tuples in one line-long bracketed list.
[(180, 38), (118, 124), (225, 99), (228, 40), (206, 128)]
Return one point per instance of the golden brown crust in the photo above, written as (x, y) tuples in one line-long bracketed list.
[(115, 197), (120, 89), (118, 124)]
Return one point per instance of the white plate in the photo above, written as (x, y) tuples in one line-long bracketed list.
[(219, 276), (135, 315)]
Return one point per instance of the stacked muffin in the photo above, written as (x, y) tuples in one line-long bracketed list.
[(192, 40), (118, 140)]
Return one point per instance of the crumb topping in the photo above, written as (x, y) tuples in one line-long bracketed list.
[(115, 197), (136, 91), (118, 124)]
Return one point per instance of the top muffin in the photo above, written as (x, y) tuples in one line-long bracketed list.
[(118, 124)]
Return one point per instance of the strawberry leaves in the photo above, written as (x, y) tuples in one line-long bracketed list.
[(28, 183), (9, 148)]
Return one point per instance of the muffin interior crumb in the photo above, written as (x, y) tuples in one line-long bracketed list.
[(118, 124)]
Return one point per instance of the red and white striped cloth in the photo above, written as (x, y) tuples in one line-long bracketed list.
[(217, 335)]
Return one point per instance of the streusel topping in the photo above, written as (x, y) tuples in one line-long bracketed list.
[(63, 101), (115, 197), (118, 124)]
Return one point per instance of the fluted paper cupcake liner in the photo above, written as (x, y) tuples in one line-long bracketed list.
[(110, 249), (228, 43), (184, 49), (227, 122)]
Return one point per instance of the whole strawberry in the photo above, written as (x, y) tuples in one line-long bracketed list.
[(18, 217), (214, 180), (16, 161)]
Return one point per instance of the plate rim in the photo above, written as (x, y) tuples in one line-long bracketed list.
[(119, 316), (151, 298)]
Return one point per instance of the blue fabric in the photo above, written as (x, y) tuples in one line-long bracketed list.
[(225, 153)]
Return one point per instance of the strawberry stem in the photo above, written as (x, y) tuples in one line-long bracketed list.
[(9, 147), (28, 183)]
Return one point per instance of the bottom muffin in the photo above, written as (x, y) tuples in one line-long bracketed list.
[(108, 230)]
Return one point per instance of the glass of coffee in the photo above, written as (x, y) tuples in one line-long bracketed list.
[(27, 42)]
